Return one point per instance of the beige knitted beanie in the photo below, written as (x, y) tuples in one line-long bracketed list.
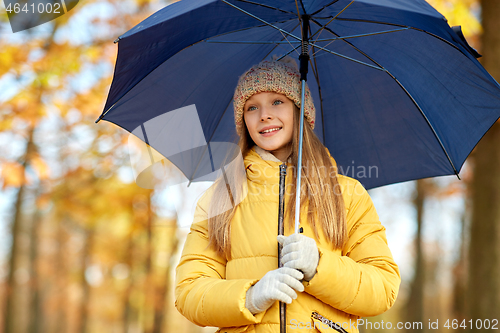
[(270, 75)]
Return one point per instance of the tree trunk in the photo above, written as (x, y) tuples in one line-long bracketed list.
[(9, 317), (460, 277), (149, 288), (127, 308), (415, 304), (36, 318), (484, 252), (84, 305), (163, 292), (60, 279)]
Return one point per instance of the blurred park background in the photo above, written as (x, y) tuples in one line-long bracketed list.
[(83, 249)]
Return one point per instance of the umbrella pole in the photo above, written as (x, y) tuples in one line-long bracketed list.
[(281, 231), (304, 61), (299, 164)]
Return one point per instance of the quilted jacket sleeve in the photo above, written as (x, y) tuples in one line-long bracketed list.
[(202, 294), (364, 280)]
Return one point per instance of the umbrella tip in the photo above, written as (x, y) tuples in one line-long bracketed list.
[(99, 119), (116, 40)]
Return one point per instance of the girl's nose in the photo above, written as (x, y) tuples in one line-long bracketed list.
[(266, 114)]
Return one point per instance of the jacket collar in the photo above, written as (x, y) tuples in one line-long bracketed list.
[(262, 167)]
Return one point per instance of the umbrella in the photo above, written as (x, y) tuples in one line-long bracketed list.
[(399, 93)]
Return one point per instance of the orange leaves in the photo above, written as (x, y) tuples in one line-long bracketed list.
[(91, 102), (40, 167), (60, 60), (12, 174), (12, 58), (26, 106)]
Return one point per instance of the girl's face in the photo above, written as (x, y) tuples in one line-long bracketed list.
[(269, 120)]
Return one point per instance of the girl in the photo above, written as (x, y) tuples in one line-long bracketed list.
[(334, 272)]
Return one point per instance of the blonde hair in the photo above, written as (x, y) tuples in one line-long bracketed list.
[(326, 211)]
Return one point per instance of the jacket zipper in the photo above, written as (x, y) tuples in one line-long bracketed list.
[(328, 322), (281, 231)]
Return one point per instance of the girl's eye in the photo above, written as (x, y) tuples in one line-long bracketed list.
[(277, 102), (251, 108)]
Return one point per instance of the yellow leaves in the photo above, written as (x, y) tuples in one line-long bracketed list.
[(92, 102), (12, 56), (40, 167), (6, 124), (60, 59), (27, 106), (93, 53), (43, 201), (460, 12), (12, 174)]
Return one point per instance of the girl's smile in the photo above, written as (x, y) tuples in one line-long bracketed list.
[(269, 120), (270, 130)]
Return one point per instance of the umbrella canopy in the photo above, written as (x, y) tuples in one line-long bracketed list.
[(399, 94)]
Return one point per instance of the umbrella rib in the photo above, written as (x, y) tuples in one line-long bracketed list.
[(302, 5), (428, 123), (357, 49), (298, 13), (361, 35), (400, 25), (316, 76), (249, 42), (331, 3), (357, 36), (287, 41), (331, 20), (440, 38), (409, 95), (239, 30), (267, 6), (284, 55), (314, 67), (349, 58), (261, 20)]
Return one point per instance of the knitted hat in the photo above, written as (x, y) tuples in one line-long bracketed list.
[(282, 77)]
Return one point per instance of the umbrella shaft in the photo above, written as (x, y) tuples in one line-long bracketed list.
[(281, 231), (299, 163)]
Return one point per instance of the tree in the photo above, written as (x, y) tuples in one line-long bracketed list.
[(484, 251)]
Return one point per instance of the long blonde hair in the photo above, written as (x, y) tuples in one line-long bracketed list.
[(325, 210)]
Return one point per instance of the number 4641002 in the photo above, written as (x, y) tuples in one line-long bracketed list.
[(477, 324), (32, 8)]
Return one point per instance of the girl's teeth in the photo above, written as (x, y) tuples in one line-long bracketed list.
[(270, 130)]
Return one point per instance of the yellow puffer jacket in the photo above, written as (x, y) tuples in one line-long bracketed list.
[(360, 280)]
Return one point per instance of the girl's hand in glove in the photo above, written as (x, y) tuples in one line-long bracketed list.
[(300, 252), (276, 285)]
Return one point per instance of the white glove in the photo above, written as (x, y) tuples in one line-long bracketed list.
[(300, 252), (276, 285)]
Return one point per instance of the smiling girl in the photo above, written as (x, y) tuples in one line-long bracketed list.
[(338, 269)]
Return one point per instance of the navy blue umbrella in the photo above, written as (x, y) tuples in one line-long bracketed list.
[(399, 93)]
